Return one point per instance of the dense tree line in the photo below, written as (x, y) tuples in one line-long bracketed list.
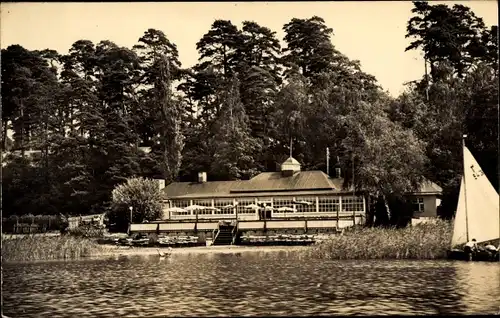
[(90, 112)]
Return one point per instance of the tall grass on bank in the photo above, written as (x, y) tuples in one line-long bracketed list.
[(41, 247), (422, 241)]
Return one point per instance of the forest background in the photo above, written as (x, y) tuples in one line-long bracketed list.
[(90, 113)]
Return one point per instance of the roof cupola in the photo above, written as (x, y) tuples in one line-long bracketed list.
[(289, 167)]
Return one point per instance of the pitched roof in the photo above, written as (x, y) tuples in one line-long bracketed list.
[(271, 184), (212, 188), (267, 183), (429, 187), (200, 195), (275, 181)]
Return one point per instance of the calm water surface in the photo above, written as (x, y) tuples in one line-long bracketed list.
[(258, 284)]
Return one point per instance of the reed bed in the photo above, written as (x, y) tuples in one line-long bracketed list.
[(42, 247), (422, 241)]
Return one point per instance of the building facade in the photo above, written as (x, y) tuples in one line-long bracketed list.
[(425, 202), (290, 201), (288, 194)]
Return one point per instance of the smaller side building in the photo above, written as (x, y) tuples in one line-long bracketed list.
[(425, 202)]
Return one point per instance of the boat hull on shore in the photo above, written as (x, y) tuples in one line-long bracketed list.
[(480, 256)]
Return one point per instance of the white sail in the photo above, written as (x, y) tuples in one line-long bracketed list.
[(459, 227), (478, 206)]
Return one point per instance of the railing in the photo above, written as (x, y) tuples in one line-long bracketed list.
[(234, 232), (215, 235)]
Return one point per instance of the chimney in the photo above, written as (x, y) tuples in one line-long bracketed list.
[(202, 177)]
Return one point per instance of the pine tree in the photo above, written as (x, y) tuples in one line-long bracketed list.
[(446, 34), (308, 45), (233, 144)]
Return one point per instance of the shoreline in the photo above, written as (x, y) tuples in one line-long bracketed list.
[(222, 249), (121, 251), (423, 241)]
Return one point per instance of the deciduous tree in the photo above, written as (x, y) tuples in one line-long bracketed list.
[(143, 195)]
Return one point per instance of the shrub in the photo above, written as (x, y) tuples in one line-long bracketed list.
[(87, 230), (143, 195)]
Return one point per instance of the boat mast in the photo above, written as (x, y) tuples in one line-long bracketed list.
[(465, 189)]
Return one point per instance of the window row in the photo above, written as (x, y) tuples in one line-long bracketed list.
[(351, 204), (278, 205)]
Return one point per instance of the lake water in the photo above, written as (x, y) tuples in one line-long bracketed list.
[(249, 283)]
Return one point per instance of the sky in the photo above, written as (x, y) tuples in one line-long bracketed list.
[(372, 32)]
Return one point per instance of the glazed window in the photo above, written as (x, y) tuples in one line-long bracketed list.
[(304, 208), (328, 204), (180, 204), (265, 202), (352, 204), (221, 203), (418, 205), (283, 202), (205, 203), (242, 203)]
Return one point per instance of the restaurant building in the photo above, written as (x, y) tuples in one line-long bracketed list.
[(287, 194), (288, 201), (306, 194)]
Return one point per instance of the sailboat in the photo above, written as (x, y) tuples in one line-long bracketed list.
[(478, 214)]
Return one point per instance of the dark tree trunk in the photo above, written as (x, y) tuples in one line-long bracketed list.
[(401, 211), (370, 210), (381, 213)]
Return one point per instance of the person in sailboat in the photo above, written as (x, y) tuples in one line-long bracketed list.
[(470, 247), (490, 248)]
